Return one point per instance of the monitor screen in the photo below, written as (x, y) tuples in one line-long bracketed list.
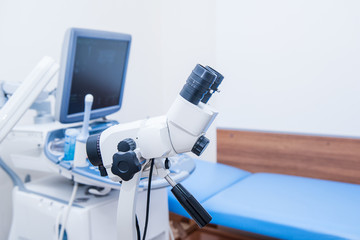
[(95, 63)]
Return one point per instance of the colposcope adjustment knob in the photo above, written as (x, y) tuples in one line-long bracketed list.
[(93, 150), (128, 144), (200, 145), (125, 165), (94, 154), (102, 170)]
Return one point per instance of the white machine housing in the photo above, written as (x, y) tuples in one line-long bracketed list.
[(91, 217), (26, 94)]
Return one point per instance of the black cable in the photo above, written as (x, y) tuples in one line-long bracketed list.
[(148, 197), (137, 228)]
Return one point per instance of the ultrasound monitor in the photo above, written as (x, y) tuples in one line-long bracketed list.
[(93, 62)]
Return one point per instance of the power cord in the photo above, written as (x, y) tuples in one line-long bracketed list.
[(148, 197), (137, 228)]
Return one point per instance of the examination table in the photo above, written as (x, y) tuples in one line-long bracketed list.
[(274, 205)]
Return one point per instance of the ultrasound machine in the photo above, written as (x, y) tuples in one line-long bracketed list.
[(89, 188)]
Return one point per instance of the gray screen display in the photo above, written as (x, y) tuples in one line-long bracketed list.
[(98, 69)]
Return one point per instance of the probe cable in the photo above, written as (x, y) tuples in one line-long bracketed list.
[(137, 228), (65, 217), (148, 197)]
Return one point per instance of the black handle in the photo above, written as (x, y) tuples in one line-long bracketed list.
[(191, 205)]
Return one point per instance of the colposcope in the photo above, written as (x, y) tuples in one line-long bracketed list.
[(125, 152)]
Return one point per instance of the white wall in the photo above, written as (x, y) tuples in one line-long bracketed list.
[(290, 65)]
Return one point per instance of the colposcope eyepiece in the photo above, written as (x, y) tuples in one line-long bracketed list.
[(214, 87), (198, 84)]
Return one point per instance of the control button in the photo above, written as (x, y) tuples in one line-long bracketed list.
[(167, 163), (126, 145), (200, 145), (125, 165)]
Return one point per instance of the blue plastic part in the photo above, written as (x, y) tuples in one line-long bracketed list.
[(95, 127), (66, 164), (70, 142), (289, 207), (67, 72), (60, 133), (93, 173), (21, 186), (207, 180), (13, 176)]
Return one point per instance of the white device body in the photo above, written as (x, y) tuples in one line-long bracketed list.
[(24, 146), (187, 122), (80, 155), (26, 94), (84, 134), (37, 213), (80, 147), (159, 137), (9, 88)]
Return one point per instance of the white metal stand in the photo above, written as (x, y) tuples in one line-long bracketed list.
[(126, 228)]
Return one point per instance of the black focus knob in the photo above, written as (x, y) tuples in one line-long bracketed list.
[(102, 170), (94, 154), (200, 145), (93, 150), (125, 165), (126, 145)]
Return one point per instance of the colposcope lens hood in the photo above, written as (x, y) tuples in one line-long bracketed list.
[(214, 87)]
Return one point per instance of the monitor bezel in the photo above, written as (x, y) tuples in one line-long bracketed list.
[(66, 73)]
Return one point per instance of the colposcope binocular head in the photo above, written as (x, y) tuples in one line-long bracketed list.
[(201, 84)]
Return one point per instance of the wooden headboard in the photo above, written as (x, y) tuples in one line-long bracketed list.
[(329, 158)]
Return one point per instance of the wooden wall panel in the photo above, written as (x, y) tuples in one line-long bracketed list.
[(302, 155)]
